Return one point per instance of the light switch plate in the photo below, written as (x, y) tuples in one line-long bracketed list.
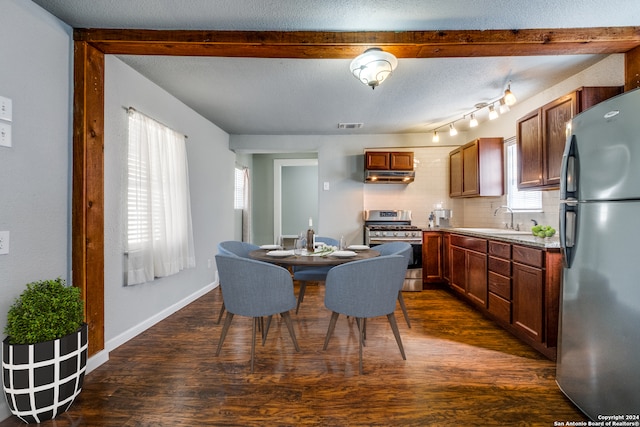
[(6, 109), (4, 242), (5, 134)]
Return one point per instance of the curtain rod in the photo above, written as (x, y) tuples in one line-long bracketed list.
[(158, 121)]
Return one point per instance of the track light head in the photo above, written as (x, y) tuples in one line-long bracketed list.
[(509, 97)]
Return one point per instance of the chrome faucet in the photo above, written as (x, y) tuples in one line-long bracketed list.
[(510, 212)]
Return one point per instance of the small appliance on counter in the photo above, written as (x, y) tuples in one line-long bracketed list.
[(442, 217)]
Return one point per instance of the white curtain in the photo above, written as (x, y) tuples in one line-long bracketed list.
[(159, 229), (246, 208)]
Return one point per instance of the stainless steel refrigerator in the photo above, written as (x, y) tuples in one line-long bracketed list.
[(598, 364)]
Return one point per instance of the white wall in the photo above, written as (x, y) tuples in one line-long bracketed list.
[(340, 160), (130, 310), (35, 72)]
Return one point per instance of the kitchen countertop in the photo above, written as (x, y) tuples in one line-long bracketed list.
[(495, 234)]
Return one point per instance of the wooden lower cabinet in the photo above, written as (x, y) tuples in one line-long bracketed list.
[(458, 270), (477, 277), (518, 286), (499, 281), (446, 253), (469, 268), (432, 257), (528, 300)]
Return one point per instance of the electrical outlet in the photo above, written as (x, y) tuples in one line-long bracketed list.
[(5, 134), (6, 109), (4, 242)]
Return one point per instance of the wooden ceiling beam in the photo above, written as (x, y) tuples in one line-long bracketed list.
[(348, 44)]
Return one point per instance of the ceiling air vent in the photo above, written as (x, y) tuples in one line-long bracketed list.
[(350, 125)]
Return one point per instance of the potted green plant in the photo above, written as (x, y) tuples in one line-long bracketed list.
[(44, 355)]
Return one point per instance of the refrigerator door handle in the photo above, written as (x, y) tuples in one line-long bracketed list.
[(569, 170), (568, 200), (568, 216), (570, 230)]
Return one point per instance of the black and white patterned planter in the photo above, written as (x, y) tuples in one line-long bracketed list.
[(42, 380)]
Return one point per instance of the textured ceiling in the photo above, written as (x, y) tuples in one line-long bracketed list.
[(311, 96)]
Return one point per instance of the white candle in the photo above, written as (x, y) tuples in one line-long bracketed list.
[(310, 222)]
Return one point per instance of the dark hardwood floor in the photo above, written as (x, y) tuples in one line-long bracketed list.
[(461, 370)]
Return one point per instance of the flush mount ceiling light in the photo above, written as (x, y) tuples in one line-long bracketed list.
[(373, 66)]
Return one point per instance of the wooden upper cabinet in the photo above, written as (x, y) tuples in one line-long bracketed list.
[(384, 160), (455, 173), (555, 117), (529, 146), (376, 160), (470, 165), (401, 160), (541, 136), (477, 169)]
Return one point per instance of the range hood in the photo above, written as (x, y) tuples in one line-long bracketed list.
[(388, 176)]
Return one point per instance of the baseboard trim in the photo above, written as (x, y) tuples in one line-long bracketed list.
[(116, 342), (96, 360)]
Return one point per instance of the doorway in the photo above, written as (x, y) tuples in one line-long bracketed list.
[(295, 196)]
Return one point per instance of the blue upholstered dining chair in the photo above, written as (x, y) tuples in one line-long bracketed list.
[(312, 274), (237, 248), (404, 249), (365, 289), (255, 289)]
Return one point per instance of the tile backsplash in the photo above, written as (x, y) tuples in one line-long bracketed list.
[(478, 212), (431, 188)]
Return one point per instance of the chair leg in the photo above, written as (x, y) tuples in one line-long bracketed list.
[(360, 341), (287, 319), (265, 329), (225, 328), (332, 326), (303, 287), (396, 333), (255, 322), (404, 308), (220, 314), (362, 327)]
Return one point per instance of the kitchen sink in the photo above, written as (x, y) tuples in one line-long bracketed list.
[(495, 231)]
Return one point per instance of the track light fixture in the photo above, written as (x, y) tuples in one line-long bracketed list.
[(504, 101)]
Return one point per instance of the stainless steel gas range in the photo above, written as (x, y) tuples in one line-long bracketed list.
[(384, 226)]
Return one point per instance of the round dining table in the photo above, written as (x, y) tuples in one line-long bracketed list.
[(292, 260)]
